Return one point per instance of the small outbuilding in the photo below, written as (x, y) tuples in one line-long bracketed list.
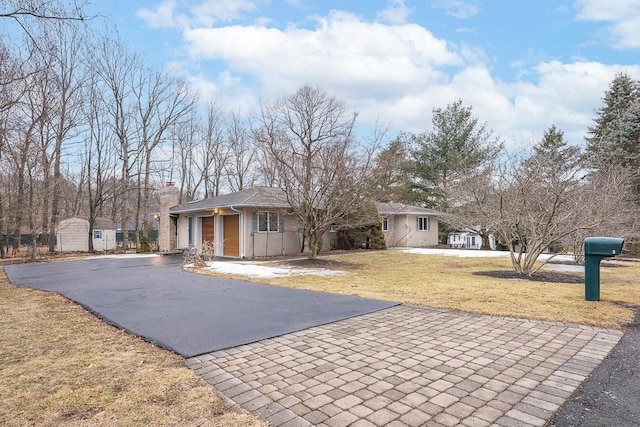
[(72, 235)]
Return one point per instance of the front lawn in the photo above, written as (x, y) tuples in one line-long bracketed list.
[(62, 366), (455, 283)]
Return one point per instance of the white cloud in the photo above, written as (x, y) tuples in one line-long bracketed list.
[(623, 18), (207, 12), (162, 16), (461, 9), (394, 73), (396, 13), (368, 60), (211, 11)]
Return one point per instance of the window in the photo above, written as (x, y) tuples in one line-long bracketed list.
[(385, 223), (268, 222), (97, 234), (423, 223), (190, 230)]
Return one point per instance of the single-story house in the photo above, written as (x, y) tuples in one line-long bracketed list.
[(407, 225), (258, 222), (468, 240), (72, 235)]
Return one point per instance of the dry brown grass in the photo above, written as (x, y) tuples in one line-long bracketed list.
[(61, 366), (450, 282)]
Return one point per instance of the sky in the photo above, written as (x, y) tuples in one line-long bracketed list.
[(522, 65)]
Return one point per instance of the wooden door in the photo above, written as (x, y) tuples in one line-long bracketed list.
[(231, 235), (207, 229)]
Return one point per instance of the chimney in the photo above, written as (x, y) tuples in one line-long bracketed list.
[(167, 233)]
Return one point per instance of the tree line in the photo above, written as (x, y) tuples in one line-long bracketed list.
[(549, 198), (90, 128)]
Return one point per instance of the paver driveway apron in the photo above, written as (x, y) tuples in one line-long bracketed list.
[(394, 365), (188, 313), (411, 366)]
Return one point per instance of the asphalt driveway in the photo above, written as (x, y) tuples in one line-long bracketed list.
[(188, 313)]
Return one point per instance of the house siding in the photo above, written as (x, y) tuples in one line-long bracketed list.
[(403, 231), (286, 241), (73, 236)]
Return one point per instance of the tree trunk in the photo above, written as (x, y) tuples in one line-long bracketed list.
[(57, 177)]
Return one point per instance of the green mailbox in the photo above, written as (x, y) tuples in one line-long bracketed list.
[(595, 249)]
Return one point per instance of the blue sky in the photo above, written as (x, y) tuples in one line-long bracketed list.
[(522, 65)]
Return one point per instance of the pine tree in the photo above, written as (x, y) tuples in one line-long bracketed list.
[(622, 93), (623, 144), (457, 145), (390, 177)]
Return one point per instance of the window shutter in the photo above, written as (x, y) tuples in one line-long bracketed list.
[(280, 223), (428, 219), (254, 222), (389, 223), (417, 223)]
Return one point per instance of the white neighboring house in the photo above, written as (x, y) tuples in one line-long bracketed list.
[(72, 235), (407, 225), (468, 240)]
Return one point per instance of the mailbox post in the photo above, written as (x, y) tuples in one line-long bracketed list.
[(595, 249)]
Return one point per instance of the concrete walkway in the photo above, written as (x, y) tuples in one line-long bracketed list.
[(411, 366)]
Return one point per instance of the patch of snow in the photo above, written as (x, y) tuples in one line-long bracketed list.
[(474, 253), (575, 268), (265, 272)]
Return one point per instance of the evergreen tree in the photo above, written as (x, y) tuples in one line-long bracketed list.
[(552, 158), (458, 144), (621, 95), (390, 173), (624, 145)]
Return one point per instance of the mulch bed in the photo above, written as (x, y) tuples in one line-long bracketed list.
[(539, 276)]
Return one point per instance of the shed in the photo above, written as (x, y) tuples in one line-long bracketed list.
[(72, 235)]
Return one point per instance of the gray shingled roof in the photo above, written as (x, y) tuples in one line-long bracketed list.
[(266, 197), (102, 223), (402, 208)]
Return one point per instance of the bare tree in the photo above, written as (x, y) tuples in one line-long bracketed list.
[(65, 116), (473, 199), (214, 152), (184, 140), (605, 201), (116, 67), (542, 202), (242, 155), (99, 155), (161, 101), (308, 136)]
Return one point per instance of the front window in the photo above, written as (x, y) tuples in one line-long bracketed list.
[(97, 234), (268, 222), (385, 223), (423, 223)]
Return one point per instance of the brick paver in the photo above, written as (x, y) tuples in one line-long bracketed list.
[(410, 366)]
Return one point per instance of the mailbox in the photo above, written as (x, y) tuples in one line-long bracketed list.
[(595, 249), (603, 246)]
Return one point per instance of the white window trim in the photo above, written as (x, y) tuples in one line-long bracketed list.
[(422, 220), (385, 223), (97, 234), (269, 222)]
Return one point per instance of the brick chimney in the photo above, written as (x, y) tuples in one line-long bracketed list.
[(169, 197)]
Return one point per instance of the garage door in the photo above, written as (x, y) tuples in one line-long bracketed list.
[(231, 230), (207, 229)]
